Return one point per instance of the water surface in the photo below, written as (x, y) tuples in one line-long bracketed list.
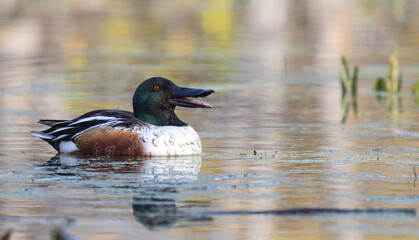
[(275, 68)]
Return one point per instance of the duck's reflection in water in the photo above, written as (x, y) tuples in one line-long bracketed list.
[(164, 170), (156, 212), (154, 204), (157, 197)]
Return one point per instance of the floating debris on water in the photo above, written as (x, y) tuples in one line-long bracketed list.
[(377, 149), (61, 233), (235, 176), (232, 186), (7, 235)]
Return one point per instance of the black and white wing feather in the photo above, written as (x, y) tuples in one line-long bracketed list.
[(62, 132)]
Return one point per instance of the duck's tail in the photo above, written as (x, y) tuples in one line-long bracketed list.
[(50, 122)]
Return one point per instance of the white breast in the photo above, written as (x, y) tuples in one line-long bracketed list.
[(170, 140)]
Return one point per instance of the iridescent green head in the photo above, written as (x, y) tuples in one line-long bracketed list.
[(155, 99)]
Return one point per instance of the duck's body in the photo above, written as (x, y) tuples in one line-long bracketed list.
[(123, 133)]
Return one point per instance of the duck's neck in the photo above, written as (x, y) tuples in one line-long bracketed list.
[(159, 118)]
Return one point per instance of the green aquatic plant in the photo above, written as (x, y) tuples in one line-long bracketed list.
[(389, 88), (415, 91), (349, 84), (415, 88), (380, 84), (393, 82)]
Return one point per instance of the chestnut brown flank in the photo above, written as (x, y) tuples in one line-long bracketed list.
[(106, 141)]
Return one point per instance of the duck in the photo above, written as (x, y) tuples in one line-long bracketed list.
[(152, 129)]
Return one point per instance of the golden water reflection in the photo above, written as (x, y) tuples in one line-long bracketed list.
[(275, 68)]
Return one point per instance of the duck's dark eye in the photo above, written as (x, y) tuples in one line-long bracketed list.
[(156, 87)]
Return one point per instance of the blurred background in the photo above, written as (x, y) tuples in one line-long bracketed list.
[(275, 67), (74, 48)]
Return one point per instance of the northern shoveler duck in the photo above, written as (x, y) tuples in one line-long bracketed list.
[(153, 129)]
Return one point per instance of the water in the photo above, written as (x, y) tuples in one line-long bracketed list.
[(275, 67)]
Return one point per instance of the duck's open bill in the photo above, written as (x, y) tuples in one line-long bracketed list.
[(187, 102), (181, 94)]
